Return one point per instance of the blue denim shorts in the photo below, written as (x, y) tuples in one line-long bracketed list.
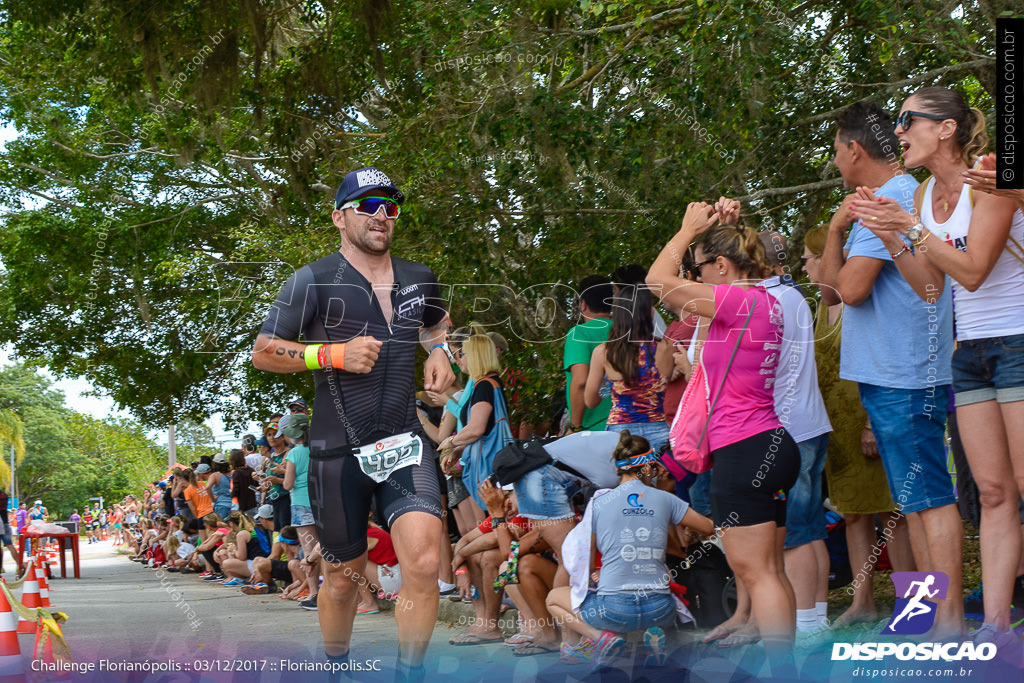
[(545, 493), (625, 612), (805, 504), (302, 515), (986, 369), (909, 426), (656, 433)]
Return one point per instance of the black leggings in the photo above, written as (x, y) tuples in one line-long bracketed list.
[(749, 475)]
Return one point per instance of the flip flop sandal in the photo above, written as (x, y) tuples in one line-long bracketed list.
[(363, 610), (518, 639), (477, 640), (531, 650)]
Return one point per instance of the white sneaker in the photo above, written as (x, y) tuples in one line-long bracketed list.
[(988, 633)]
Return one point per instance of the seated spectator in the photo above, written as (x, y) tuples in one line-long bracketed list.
[(382, 570), (476, 562), (632, 591), (267, 570), (216, 534), (249, 542)]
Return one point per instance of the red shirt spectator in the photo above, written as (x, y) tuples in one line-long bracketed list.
[(383, 552), (679, 333)]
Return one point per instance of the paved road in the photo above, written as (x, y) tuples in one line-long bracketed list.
[(122, 612), (125, 614)]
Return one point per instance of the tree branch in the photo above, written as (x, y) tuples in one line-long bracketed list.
[(888, 87), (148, 150), (795, 189), (617, 27)]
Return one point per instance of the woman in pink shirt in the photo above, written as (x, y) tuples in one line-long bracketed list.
[(755, 459)]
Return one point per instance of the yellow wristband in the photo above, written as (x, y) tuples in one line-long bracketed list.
[(310, 356)]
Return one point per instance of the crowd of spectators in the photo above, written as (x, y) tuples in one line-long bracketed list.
[(845, 407)]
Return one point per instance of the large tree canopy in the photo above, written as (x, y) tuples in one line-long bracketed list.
[(175, 160)]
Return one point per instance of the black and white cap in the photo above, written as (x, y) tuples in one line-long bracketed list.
[(364, 180)]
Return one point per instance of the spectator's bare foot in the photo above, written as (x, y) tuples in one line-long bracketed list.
[(855, 615), (730, 625), (746, 635)]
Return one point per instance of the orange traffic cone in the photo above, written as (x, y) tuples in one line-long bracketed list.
[(12, 668), (44, 592), (29, 598), (51, 567)]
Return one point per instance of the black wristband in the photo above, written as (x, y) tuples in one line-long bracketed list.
[(495, 521)]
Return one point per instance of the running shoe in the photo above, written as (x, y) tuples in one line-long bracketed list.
[(607, 648), (581, 653), (205, 574), (654, 641), (309, 603), (233, 583), (256, 589), (213, 578), (988, 633)]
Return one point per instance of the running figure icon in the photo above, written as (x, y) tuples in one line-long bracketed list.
[(920, 591)]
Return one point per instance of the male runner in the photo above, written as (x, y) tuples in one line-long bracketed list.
[(360, 312)]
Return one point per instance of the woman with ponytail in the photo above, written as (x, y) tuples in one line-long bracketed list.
[(975, 238), (630, 526), (637, 364), (755, 460)]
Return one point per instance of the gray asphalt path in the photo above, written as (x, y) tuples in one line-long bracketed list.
[(123, 613)]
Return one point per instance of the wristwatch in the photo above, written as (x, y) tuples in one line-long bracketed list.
[(447, 351), (914, 234), (495, 521)]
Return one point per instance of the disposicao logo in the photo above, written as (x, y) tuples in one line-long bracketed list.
[(914, 613)]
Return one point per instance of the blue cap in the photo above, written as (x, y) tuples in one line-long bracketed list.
[(364, 180), (262, 441)]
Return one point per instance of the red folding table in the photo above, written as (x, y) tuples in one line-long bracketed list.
[(65, 541)]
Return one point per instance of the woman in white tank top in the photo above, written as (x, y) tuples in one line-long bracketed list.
[(974, 238)]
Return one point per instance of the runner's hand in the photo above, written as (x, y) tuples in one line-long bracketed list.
[(360, 355), (868, 444), (437, 373)]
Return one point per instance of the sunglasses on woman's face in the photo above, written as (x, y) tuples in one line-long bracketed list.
[(906, 118)]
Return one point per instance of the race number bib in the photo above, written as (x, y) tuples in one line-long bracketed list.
[(379, 460)]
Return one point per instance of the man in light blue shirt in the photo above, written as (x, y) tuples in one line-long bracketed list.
[(897, 346)]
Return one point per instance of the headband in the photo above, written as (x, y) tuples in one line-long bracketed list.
[(289, 541), (638, 460)]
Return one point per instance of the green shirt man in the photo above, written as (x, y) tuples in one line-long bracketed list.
[(595, 307)]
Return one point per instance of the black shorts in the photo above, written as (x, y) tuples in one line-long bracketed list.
[(279, 571), (747, 477), (340, 495)]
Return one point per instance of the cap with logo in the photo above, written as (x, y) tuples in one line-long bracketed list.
[(365, 180), (297, 423), (266, 512)]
